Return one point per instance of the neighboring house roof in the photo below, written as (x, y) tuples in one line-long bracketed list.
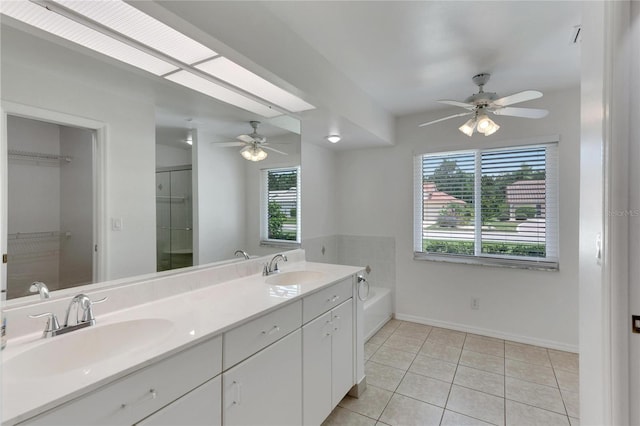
[(526, 192), (433, 196)]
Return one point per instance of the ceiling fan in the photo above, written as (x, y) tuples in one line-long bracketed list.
[(482, 102), (254, 144)]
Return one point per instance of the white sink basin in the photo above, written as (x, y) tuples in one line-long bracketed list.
[(81, 348), (295, 277)]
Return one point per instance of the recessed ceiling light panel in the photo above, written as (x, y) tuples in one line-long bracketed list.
[(209, 88), (68, 29), (234, 74), (131, 22)]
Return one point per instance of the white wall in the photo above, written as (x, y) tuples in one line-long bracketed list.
[(167, 156), (219, 201), (375, 198), (35, 74)]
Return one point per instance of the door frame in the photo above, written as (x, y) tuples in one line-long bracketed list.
[(100, 132)]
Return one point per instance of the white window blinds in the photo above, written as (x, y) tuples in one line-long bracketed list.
[(488, 204), (280, 206)]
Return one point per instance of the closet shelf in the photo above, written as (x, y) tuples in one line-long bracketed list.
[(38, 156), (46, 235)]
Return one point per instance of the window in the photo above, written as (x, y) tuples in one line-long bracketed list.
[(280, 207), (493, 206)]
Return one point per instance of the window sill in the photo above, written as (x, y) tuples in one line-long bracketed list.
[(290, 245), (489, 261)]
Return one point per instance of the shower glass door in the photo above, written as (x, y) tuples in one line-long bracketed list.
[(174, 218)]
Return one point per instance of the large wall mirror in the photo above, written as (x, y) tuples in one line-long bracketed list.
[(150, 182)]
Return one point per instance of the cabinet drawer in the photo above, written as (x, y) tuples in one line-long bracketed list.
[(247, 339), (326, 299), (139, 394), (201, 406)]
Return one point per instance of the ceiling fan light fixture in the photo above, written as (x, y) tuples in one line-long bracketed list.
[(486, 126), (491, 129), (467, 128), (253, 153)]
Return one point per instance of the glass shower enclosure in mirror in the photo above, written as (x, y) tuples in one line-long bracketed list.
[(174, 217)]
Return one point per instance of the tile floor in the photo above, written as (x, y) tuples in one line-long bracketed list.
[(422, 375)]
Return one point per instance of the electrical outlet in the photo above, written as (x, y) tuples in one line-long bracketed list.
[(475, 303)]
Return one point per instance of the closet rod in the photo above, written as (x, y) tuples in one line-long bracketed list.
[(16, 154)]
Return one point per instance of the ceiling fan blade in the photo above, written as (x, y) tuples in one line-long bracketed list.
[(457, 103), (246, 138), (273, 149), (527, 95), (445, 118), (226, 144), (522, 112)]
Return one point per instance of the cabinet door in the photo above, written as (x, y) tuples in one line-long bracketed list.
[(316, 367), (342, 351), (266, 388), (201, 406)]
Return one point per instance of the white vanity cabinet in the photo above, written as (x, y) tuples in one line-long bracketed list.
[(142, 393), (266, 388), (327, 354), (289, 366), (201, 406)]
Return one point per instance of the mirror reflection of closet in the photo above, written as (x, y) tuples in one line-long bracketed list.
[(174, 199), (50, 205)]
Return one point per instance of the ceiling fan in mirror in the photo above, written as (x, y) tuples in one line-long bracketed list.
[(480, 104), (254, 144)]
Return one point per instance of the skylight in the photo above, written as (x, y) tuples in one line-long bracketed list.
[(214, 90), (131, 22), (232, 73), (60, 26)]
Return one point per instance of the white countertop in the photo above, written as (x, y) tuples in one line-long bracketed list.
[(196, 316)]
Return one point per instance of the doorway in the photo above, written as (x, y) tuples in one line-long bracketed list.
[(50, 205)]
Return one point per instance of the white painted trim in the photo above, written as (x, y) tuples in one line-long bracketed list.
[(551, 344), (100, 173)]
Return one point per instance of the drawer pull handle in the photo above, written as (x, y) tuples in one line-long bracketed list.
[(333, 299), (152, 393), (236, 401), (274, 329), (327, 334)]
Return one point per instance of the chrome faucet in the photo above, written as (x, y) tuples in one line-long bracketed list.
[(242, 252), (53, 328), (272, 266), (40, 287)]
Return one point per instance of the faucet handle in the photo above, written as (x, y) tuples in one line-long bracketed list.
[(52, 323), (86, 304)]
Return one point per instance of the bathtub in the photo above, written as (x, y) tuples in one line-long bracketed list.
[(377, 310)]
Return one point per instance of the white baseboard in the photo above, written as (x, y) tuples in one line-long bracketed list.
[(551, 344)]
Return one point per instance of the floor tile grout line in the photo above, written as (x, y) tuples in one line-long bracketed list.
[(398, 385), (446, 402), (505, 384), (564, 404), (535, 406)]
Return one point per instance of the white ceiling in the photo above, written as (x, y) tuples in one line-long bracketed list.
[(407, 54)]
